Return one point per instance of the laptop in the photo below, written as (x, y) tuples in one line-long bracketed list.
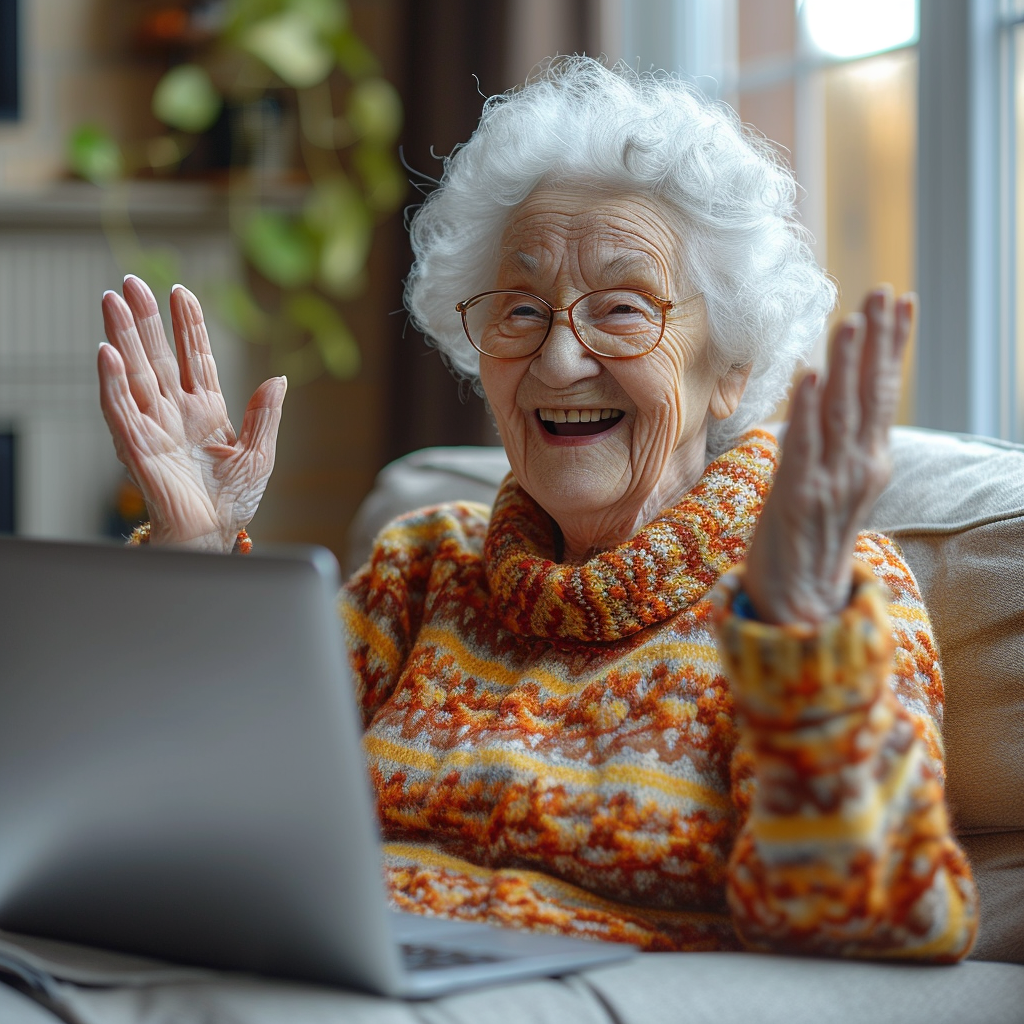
[(181, 776)]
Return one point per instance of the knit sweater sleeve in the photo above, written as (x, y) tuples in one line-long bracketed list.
[(845, 846), (382, 606)]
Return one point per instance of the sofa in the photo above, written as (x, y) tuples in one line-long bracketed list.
[(955, 506)]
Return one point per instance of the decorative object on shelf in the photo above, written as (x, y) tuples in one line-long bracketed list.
[(127, 510), (282, 103)]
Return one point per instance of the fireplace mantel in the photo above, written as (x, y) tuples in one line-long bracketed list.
[(148, 205)]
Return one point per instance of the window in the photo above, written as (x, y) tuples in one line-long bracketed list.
[(834, 83)]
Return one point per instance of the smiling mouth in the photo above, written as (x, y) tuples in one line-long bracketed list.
[(578, 422)]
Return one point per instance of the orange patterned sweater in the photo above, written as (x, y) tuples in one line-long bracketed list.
[(605, 750)]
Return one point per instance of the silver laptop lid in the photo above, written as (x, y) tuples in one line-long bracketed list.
[(174, 733)]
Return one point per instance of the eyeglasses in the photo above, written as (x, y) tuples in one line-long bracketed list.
[(614, 323)]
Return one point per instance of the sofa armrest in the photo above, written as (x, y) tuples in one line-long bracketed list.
[(426, 477)]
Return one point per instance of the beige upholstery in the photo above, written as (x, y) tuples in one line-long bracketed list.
[(657, 988), (956, 508), (427, 477)]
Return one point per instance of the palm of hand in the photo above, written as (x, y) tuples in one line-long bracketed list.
[(171, 430), (187, 465)]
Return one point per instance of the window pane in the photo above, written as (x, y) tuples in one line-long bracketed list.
[(870, 112), (772, 111), (766, 50), (861, 118), (871, 128), (767, 30), (1014, 396)]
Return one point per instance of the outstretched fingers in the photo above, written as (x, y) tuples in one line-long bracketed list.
[(835, 463), (197, 368), (146, 313), (122, 333), (889, 325), (120, 409), (840, 406), (803, 444), (263, 418)]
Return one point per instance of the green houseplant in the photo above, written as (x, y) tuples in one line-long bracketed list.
[(308, 171)]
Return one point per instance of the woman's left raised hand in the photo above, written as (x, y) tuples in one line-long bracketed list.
[(201, 482), (835, 464)]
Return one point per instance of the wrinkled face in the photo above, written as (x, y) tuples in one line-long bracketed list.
[(602, 444)]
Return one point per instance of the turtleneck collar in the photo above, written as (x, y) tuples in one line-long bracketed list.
[(662, 569)]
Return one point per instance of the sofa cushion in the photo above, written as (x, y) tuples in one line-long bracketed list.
[(97, 987), (427, 477), (998, 862), (956, 508), (751, 988)]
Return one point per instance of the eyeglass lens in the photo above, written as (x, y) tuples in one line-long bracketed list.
[(616, 322)]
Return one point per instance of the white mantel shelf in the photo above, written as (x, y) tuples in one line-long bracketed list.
[(174, 205)]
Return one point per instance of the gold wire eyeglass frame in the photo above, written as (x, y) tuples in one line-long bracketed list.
[(662, 303)]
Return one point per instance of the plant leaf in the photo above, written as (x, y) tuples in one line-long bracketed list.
[(186, 99), (353, 56), (375, 110), (159, 266), (340, 353), (337, 213), (331, 198), (240, 311), (326, 16), (282, 250), (384, 179), (334, 341), (94, 155), (343, 255), (291, 47), (299, 365), (243, 13)]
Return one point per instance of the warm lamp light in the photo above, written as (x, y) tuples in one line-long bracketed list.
[(856, 28)]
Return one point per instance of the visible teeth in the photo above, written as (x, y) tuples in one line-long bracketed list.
[(576, 415)]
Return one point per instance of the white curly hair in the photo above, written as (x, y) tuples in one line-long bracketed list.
[(722, 188)]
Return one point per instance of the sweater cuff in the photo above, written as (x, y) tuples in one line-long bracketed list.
[(785, 676)]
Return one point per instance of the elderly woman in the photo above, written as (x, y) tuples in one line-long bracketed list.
[(664, 692)]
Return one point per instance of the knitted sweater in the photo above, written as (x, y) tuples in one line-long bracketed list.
[(605, 750)]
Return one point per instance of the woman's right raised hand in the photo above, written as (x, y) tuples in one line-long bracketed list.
[(201, 482)]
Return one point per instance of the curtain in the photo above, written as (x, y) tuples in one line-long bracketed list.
[(446, 44)]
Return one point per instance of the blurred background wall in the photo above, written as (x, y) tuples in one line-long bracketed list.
[(847, 122)]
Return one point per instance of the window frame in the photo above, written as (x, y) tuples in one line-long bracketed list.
[(964, 377), (965, 367)]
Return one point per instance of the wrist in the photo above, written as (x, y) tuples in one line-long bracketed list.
[(215, 542), (784, 604), (797, 673)]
